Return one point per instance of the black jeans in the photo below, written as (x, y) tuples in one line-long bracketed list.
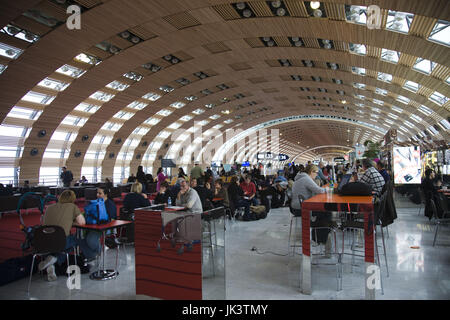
[(323, 219)]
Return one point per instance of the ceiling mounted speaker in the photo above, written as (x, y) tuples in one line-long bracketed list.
[(160, 157), (42, 133), (85, 138), (125, 34), (166, 146), (111, 155), (138, 156), (118, 141), (77, 154), (144, 144), (34, 152)]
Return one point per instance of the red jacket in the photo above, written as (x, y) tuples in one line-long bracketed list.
[(249, 189)]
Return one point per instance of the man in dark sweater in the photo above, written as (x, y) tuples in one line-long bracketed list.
[(66, 177), (206, 195)]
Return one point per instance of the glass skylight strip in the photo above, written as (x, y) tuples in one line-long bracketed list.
[(441, 32), (390, 55), (425, 110), (71, 71), (53, 84), (116, 85), (37, 97), (9, 51), (399, 21)]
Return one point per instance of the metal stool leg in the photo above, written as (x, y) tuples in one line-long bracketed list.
[(31, 273), (289, 239), (435, 233), (384, 249)]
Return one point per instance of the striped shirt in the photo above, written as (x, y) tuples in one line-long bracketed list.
[(374, 178)]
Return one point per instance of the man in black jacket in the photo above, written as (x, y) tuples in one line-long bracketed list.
[(204, 192), (66, 177)]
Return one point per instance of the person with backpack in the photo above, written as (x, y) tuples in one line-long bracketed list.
[(66, 177)]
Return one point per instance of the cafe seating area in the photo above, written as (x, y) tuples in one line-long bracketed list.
[(417, 270)]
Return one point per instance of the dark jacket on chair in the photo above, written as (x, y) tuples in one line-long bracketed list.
[(390, 212)]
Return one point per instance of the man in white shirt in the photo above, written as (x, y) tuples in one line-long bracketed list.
[(188, 198)]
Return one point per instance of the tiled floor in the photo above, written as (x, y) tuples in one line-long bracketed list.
[(269, 273)]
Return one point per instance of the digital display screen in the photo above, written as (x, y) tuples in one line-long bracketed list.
[(407, 165), (246, 164)]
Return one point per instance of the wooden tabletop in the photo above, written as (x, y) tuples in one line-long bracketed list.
[(100, 227), (335, 198)]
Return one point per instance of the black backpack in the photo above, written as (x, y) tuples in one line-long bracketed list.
[(356, 189)]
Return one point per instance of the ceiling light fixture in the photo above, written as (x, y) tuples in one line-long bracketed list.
[(314, 5)]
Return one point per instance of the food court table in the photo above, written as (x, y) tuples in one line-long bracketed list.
[(102, 273), (333, 202)]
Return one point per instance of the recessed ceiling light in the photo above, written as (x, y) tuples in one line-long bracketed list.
[(314, 5)]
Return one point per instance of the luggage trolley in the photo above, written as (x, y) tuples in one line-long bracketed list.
[(186, 229)]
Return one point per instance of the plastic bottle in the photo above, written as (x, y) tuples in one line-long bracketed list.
[(169, 201)]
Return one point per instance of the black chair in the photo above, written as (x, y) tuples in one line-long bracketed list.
[(128, 215), (90, 194), (48, 240), (445, 218), (356, 222)]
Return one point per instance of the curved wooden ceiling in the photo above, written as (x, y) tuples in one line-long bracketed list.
[(246, 80)]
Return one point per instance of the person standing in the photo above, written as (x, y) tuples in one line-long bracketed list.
[(161, 178), (196, 171), (66, 177), (141, 178)]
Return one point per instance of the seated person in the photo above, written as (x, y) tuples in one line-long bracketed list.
[(235, 196), (305, 186), (136, 199), (371, 176), (5, 191), (188, 198), (174, 190), (83, 180), (266, 190), (64, 213), (26, 187), (249, 189), (163, 195), (221, 192), (131, 178), (279, 195), (206, 195), (149, 178), (111, 209)]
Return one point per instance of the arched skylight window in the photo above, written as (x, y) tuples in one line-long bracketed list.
[(441, 32), (399, 21), (357, 48), (424, 65), (390, 55)]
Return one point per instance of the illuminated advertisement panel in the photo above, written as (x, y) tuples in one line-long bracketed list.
[(407, 165)]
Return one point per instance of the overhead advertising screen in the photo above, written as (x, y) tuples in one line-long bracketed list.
[(407, 165)]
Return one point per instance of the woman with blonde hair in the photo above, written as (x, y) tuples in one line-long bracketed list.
[(136, 199)]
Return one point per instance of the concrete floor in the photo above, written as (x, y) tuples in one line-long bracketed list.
[(270, 273)]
